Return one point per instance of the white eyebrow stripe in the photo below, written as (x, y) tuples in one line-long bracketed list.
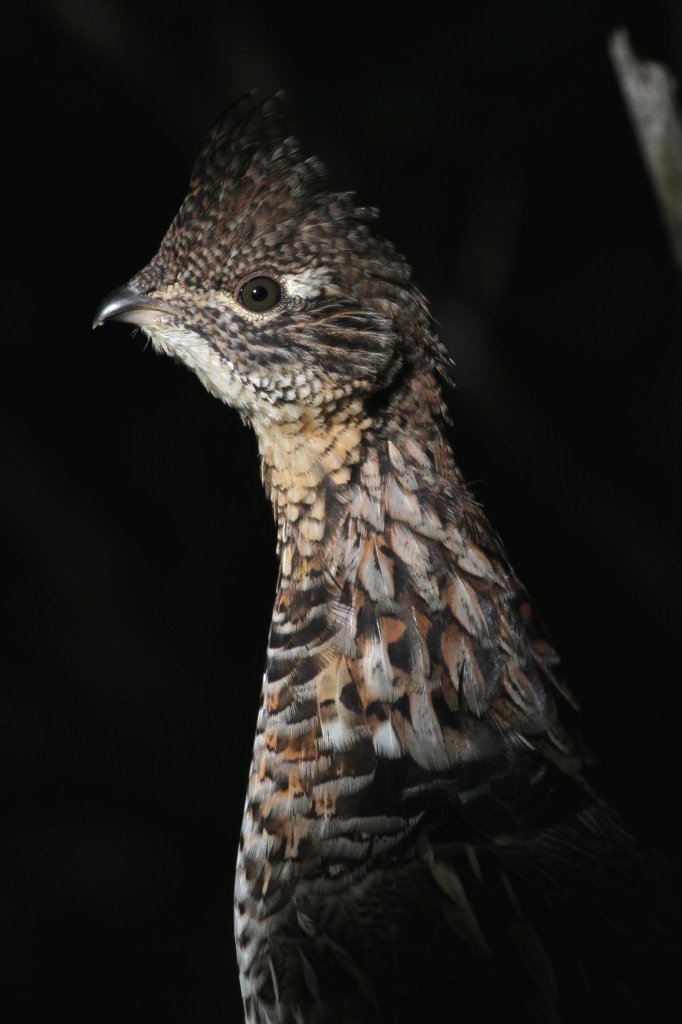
[(308, 283)]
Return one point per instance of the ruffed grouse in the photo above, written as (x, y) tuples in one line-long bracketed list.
[(421, 840)]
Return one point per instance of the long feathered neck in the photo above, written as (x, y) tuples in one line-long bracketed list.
[(349, 491)]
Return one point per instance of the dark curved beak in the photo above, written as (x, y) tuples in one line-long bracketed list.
[(129, 306)]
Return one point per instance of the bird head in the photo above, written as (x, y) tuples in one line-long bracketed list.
[(272, 289)]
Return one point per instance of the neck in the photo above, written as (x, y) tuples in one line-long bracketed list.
[(361, 502)]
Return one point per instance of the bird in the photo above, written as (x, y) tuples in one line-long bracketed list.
[(423, 835)]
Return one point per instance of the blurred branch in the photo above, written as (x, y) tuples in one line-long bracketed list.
[(649, 93)]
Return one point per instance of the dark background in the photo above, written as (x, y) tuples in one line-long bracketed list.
[(139, 568)]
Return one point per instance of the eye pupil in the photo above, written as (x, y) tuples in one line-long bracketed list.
[(260, 294)]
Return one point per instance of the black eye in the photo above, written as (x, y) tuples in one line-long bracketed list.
[(260, 294)]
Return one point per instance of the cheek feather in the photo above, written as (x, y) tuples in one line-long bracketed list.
[(218, 375)]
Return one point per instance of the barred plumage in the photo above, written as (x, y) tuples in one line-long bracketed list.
[(421, 836)]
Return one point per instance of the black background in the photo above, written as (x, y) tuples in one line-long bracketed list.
[(138, 570)]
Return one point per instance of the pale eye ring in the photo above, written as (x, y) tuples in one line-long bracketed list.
[(259, 294)]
